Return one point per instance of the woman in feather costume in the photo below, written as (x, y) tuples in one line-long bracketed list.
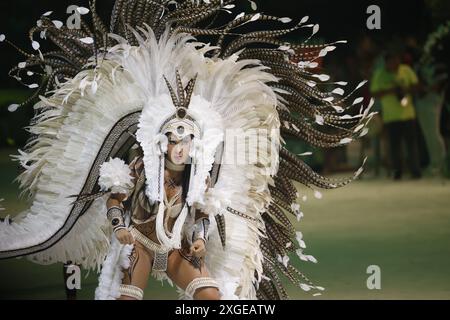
[(211, 189)]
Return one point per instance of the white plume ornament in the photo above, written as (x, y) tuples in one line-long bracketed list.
[(115, 176), (107, 93)]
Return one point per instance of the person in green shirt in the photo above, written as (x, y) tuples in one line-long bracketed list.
[(394, 83)]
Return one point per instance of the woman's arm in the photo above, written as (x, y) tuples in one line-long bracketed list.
[(115, 211), (200, 235), (116, 199)]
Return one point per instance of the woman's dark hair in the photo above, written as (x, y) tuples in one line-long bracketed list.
[(186, 180), (186, 175)]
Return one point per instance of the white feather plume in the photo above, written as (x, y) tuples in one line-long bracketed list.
[(115, 176)]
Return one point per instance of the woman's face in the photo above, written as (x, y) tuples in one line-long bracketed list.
[(178, 150)]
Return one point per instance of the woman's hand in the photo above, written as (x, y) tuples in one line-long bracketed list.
[(198, 248), (124, 236)]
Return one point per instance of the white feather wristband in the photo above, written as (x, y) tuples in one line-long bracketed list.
[(115, 176)]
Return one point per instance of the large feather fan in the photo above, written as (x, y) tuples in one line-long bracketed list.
[(95, 92)]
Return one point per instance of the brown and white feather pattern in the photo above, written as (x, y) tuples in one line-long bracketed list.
[(307, 111)]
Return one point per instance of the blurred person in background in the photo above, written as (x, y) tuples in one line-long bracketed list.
[(429, 104), (433, 69), (393, 83)]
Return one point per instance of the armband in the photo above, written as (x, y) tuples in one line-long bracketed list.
[(201, 230)]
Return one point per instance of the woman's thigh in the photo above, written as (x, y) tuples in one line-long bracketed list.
[(140, 267), (182, 272)]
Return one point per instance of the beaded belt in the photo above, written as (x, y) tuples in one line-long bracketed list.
[(160, 254)]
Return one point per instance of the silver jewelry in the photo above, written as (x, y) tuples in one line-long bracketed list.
[(201, 229), (115, 215), (115, 229), (160, 262)]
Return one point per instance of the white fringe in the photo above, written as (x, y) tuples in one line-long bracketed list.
[(112, 274)]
